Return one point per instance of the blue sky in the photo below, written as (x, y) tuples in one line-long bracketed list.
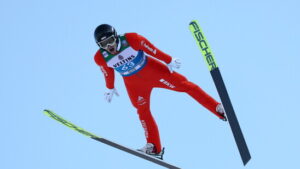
[(46, 61)]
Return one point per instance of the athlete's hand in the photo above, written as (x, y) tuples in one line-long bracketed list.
[(175, 63), (109, 94)]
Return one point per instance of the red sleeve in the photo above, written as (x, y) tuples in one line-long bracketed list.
[(138, 42), (108, 72)]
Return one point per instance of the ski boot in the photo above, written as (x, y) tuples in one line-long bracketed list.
[(221, 111), (150, 149)]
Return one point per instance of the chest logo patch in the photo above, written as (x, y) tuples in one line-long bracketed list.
[(121, 57)]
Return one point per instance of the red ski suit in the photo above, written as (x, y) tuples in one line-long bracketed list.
[(148, 74)]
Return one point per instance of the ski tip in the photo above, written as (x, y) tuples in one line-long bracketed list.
[(47, 111), (193, 22)]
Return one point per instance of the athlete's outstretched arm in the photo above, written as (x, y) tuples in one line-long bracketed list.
[(139, 42), (108, 72)]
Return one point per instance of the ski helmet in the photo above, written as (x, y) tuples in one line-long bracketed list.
[(104, 35)]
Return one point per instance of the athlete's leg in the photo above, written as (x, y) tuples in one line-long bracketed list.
[(140, 98), (177, 82)]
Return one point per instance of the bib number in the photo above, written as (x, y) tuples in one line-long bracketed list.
[(127, 66)]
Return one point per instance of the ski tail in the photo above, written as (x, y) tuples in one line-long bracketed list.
[(222, 91)]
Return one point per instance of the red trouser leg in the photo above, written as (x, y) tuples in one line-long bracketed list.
[(140, 97), (177, 82)]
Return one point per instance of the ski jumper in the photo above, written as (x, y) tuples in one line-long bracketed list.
[(142, 73)]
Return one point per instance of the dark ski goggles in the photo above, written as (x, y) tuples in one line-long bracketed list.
[(108, 41)]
